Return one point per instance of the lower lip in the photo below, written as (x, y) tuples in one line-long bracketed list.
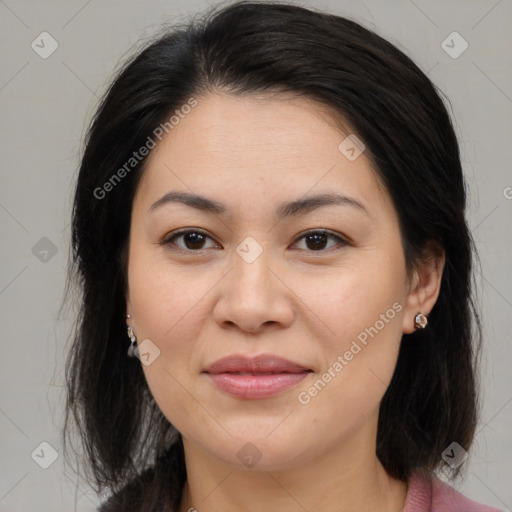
[(256, 386)]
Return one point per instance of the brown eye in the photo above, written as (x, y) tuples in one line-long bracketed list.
[(190, 239), (197, 240), (318, 240)]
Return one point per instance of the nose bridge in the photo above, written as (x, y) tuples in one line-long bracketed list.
[(251, 279), (252, 295)]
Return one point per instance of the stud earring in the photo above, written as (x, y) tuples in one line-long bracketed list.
[(420, 321), (133, 340)]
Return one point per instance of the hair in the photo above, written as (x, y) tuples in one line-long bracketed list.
[(242, 49)]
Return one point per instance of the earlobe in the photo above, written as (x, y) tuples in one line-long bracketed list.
[(420, 321), (425, 289), (127, 304)]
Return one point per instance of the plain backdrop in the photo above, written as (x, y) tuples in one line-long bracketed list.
[(46, 104)]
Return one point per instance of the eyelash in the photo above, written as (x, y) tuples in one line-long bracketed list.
[(168, 240)]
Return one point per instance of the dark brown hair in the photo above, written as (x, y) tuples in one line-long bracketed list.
[(258, 47)]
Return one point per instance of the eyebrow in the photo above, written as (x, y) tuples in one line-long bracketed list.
[(286, 209)]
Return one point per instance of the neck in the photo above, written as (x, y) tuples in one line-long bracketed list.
[(344, 478)]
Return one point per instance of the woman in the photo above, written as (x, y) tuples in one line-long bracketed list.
[(271, 206)]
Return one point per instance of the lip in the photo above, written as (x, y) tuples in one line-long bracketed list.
[(256, 377)]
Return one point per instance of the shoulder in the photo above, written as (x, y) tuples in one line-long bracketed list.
[(427, 493), (445, 497)]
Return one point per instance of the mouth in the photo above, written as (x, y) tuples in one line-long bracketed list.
[(258, 373), (257, 377)]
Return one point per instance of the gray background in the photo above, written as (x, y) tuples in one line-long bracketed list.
[(45, 106)]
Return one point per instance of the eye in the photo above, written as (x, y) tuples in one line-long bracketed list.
[(189, 239), (194, 239), (317, 240)]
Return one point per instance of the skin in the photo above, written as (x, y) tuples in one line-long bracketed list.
[(251, 154)]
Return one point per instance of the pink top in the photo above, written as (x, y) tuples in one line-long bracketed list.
[(433, 495)]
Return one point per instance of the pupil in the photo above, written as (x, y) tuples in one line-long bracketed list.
[(315, 242), (194, 240), (318, 241)]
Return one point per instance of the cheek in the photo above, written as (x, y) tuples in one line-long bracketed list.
[(362, 307), (167, 308), (166, 300), (339, 314), (356, 298)]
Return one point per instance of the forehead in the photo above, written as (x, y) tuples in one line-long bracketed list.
[(262, 126), (260, 146)]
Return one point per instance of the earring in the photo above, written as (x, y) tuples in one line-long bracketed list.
[(420, 321), (133, 339)]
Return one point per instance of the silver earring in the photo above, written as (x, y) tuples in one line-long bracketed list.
[(420, 321), (133, 340)]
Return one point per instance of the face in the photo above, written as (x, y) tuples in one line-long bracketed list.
[(258, 269)]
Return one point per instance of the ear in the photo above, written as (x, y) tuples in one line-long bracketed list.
[(424, 286), (127, 302), (124, 270)]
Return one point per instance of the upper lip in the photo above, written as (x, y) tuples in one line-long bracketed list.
[(264, 363)]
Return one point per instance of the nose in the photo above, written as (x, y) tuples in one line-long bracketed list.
[(254, 297)]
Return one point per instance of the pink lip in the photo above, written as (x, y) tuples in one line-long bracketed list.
[(255, 377)]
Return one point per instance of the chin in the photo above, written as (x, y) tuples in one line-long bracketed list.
[(257, 452)]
